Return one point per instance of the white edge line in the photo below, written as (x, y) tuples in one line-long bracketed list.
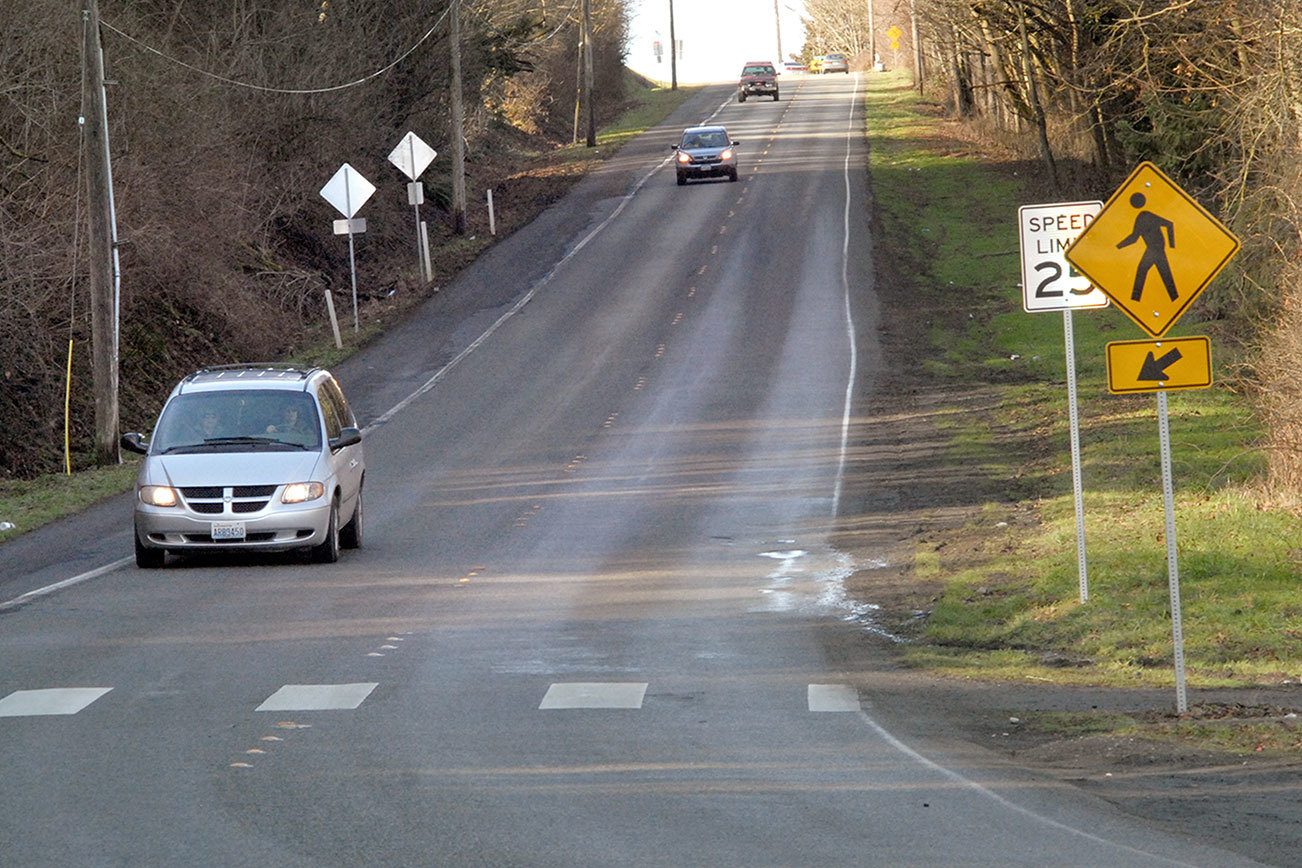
[(995, 797), (23, 599), (849, 314)]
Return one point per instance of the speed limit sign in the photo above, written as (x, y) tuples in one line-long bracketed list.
[(1049, 282)]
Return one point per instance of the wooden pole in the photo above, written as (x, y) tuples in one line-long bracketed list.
[(102, 241), (673, 50), (587, 73), (458, 125)]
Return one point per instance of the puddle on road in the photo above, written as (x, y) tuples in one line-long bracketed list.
[(814, 584)]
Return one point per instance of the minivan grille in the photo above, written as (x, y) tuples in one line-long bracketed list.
[(212, 500)]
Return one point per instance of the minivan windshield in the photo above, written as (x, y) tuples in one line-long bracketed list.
[(245, 420)]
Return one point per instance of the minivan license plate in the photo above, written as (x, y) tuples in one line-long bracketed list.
[(228, 530)]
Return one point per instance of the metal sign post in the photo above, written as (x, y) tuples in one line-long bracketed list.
[(348, 191), (1172, 563), (1082, 573), (352, 270), (1050, 283), (412, 156)]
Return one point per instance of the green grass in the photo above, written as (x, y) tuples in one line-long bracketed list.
[(1012, 611), (28, 504)]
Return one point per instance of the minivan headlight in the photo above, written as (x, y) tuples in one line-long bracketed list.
[(158, 495), (301, 492), (684, 157)]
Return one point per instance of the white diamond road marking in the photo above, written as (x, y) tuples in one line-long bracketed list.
[(58, 700), (833, 697), (578, 694), (318, 697)]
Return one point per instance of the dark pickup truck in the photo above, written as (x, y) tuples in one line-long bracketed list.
[(758, 78)]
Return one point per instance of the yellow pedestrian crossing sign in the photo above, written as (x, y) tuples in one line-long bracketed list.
[(1152, 249), (1163, 365)]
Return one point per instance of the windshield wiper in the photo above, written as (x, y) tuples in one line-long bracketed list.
[(212, 442), (239, 440)]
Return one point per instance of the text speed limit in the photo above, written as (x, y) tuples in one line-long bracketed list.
[(1049, 282)]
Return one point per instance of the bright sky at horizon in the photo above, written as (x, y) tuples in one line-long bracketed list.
[(714, 43)]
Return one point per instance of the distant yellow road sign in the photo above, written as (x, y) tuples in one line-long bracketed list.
[(1152, 249), (894, 35), (1162, 365)]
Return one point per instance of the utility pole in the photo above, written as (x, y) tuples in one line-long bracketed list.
[(777, 22), (673, 50), (587, 73), (103, 239), (917, 45), (458, 124), (872, 38)]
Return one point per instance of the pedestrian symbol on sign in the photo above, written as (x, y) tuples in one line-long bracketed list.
[(1148, 228)]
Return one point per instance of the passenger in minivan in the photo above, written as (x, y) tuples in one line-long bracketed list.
[(291, 426), (209, 425)]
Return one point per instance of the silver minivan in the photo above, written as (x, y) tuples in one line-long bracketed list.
[(252, 457)]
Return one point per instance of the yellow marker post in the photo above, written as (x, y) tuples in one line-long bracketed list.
[(1152, 249), (1162, 365)]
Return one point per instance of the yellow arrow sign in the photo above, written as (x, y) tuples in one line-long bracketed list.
[(1152, 249), (1164, 365)]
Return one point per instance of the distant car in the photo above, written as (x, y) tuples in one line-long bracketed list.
[(816, 64), (251, 457), (793, 66), (705, 152), (758, 78), (835, 63)]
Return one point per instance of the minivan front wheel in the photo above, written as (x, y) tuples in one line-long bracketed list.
[(350, 537), (328, 550), (147, 558)]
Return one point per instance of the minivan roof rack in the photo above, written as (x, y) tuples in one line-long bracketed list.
[(277, 369)]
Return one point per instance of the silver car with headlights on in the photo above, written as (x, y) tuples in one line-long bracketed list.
[(250, 457), (705, 152)]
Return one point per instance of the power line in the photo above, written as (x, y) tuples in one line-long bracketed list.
[(285, 90)]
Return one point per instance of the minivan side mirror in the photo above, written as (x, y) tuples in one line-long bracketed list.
[(349, 436), (673, 147), (133, 442), (735, 144)]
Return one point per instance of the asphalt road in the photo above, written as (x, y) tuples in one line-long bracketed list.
[(588, 623)]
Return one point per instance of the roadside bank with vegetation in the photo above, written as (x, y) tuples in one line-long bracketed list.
[(544, 170), (998, 589)]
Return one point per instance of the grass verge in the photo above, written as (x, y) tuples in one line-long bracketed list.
[(1009, 607)]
